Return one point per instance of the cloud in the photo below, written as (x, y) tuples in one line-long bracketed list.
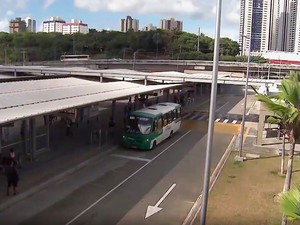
[(166, 7), (233, 16), (10, 13), (47, 3), (4, 25)]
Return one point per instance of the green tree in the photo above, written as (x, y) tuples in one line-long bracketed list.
[(287, 106), (290, 203)]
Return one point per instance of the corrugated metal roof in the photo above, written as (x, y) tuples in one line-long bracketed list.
[(32, 98)]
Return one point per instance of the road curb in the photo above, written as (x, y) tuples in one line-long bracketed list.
[(43, 185), (191, 217)]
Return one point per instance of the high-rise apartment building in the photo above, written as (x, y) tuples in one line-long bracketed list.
[(129, 24), (272, 25), (76, 26), (17, 25), (171, 24), (30, 24), (55, 24)]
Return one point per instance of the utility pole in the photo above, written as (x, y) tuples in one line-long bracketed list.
[(245, 101), (157, 39), (211, 123), (5, 56), (198, 43), (24, 56), (73, 44)]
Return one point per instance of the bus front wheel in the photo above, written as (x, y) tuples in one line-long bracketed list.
[(153, 145), (171, 134)]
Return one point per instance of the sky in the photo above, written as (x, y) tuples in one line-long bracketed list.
[(106, 14)]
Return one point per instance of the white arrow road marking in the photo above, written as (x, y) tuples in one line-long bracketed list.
[(155, 209)]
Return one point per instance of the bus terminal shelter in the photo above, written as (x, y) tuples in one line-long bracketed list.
[(24, 101)]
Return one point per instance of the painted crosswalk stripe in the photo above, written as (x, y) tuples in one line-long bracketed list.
[(225, 121), (217, 120), (234, 122)]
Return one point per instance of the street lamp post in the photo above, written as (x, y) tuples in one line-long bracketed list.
[(134, 57), (198, 41), (245, 100), (5, 56), (211, 122)]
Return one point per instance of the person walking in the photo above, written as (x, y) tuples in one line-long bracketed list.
[(12, 177)]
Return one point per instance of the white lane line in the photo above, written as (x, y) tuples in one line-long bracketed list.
[(217, 120), (186, 115), (234, 122), (222, 107), (116, 187), (193, 117), (226, 121), (202, 117), (131, 157)]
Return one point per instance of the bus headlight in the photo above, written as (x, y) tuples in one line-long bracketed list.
[(124, 137), (147, 139)]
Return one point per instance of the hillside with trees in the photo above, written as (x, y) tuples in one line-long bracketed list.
[(157, 44)]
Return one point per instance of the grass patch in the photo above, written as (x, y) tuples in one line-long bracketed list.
[(244, 192)]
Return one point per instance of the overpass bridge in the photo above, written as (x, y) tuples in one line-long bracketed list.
[(133, 75), (259, 69)]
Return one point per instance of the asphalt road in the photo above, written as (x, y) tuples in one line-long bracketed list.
[(118, 188)]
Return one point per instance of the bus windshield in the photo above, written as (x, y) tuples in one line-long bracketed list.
[(140, 125)]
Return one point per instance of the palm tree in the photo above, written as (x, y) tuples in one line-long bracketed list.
[(286, 105), (280, 121), (290, 203)]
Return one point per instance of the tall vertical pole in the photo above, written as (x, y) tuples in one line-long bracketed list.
[(198, 43), (24, 57), (211, 117), (5, 56), (133, 63), (73, 44), (157, 39), (245, 102)]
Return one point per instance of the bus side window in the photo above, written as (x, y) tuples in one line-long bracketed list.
[(178, 112), (160, 124), (165, 119), (170, 117), (174, 114), (155, 125)]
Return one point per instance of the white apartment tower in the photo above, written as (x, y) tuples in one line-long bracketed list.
[(55, 24), (76, 26), (272, 25), (129, 24)]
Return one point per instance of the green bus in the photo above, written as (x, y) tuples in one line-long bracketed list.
[(149, 126)]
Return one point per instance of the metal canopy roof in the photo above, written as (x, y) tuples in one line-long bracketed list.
[(25, 99), (124, 74)]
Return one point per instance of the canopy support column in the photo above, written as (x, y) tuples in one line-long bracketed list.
[(32, 138), (47, 124), (0, 140), (113, 107)]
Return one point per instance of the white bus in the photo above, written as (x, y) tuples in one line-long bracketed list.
[(64, 58), (147, 127)]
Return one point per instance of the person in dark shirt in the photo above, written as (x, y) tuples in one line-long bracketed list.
[(12, 177)]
